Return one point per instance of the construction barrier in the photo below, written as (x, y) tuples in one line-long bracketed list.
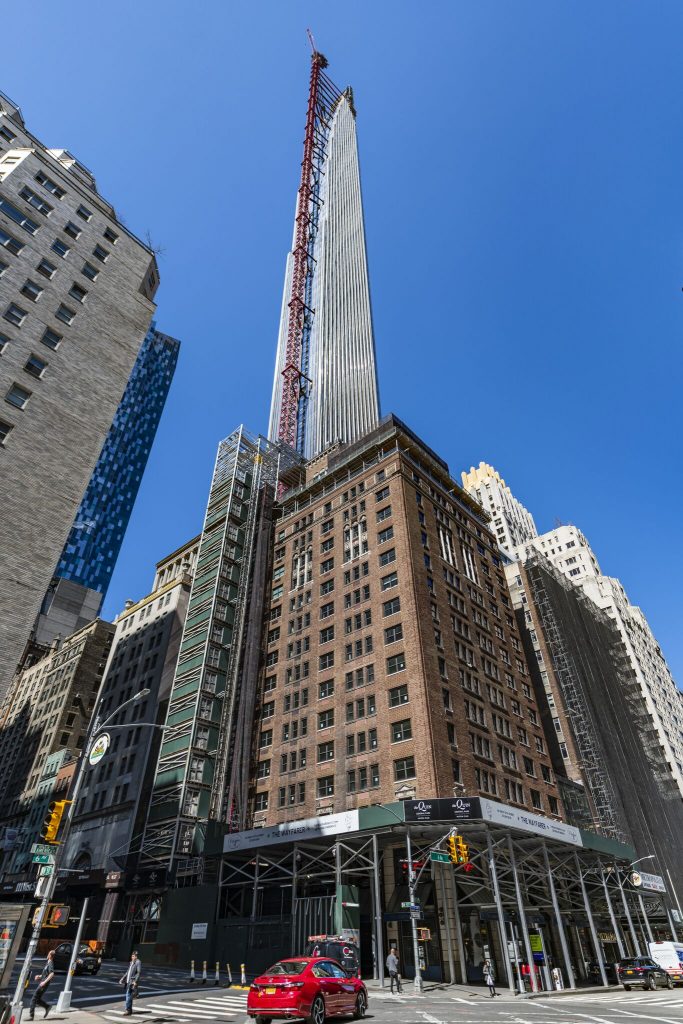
[(243, 979), (204, 973), (229, 974), (191, 970), (218, 974)]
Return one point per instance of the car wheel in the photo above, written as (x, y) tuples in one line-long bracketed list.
[(262, 1020), (651, 983), (317, 1012), (361, 1006), (627, 988), (669, 983)]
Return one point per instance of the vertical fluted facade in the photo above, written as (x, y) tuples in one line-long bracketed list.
[(344, 399)]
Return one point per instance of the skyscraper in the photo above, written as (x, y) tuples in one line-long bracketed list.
[(76, 300), (95, 539), (325, 365), (512, 523)]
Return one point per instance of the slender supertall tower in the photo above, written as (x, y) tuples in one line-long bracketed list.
[(325, 385)]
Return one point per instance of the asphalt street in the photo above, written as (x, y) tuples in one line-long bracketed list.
[(104, 987)]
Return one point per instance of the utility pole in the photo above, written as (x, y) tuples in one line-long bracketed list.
[(413, 922)]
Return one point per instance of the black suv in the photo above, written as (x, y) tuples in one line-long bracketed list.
[(642, 971), (87, 962)]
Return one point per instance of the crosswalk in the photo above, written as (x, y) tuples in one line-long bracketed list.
[(651, 999), (228, 1007)]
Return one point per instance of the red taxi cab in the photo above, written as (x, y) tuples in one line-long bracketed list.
[(307, 987)]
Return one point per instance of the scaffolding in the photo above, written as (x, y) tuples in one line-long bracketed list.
[(202, 771)]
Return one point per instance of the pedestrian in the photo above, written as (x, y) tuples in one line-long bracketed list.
[(558, 981), (489, 978), (43, 979), (392, 967), (131, 980)]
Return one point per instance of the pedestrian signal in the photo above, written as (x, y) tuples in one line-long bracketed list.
[(53, 820)]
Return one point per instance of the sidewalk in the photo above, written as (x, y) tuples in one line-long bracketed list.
[(434, 989)]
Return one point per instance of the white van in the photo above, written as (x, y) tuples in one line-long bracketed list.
[(669, 955)]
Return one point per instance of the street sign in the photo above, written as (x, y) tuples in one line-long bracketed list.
[(410, 906), (416, 915), (46, 870), (41, 858), (438, 857), (42, 848), (99, 748)]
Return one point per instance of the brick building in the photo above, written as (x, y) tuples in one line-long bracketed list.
[(394, 667)]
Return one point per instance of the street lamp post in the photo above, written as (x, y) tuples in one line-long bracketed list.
[(17, 1003)]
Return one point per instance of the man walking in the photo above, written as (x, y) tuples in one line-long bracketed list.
[(43, 979), (392, 967), (131, 980)]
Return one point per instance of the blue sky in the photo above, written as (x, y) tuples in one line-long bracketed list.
[(523, 197)]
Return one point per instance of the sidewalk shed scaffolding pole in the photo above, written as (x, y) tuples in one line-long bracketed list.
[(617, 933), (379, 941), (558, 919), (522, 917), (591, 923), (501, 915)]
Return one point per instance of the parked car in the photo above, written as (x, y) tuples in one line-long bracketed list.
[(669, 955), (312, 988), (610, 971), (644, 972), (86, 963)]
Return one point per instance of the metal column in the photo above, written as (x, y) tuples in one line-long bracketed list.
[(522, 918), (447, 920), (617, 933), (634, 933), (591, 923), (413, 923), (254, 898), (501, 915), (558, 920), (647, 923), (379, 938), (295, 860), (458, 927)]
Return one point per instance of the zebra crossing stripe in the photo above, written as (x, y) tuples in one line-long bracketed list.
[(197, 1010)]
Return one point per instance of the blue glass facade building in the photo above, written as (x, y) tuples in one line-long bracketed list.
[(95, 539)]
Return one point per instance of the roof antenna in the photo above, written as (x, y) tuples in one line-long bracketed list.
[(311, 40)]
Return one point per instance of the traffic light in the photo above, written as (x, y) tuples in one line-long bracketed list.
[(462, 851), (452, 844), (53, 820)]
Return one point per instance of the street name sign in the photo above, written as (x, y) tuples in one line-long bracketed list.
[(438, 857)]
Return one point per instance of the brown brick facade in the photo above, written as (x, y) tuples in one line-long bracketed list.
[(393, 662)]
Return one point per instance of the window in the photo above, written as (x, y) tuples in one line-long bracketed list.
[(326, 751), (383, 513), (393, 634), (17, 396), (71, 229), (552, 803), (6, 134), (401, 731), (326, 786), (4, 340), (18, 217), (60, 247), (65, 314), (10, 243), (50, 185), (51, 338), (326, 635), (266, 738), (387, 582), (387, 556), (326, 588), (326, 719), (382, 494), (100, 254), (111, 236), (15, 314), (5, 429), (351, 782), (384, 535), (84, 213), (326, 566), (398, 695), (326, 689), (34, 200), (396, 663), (326, 661), (89, 271), (326, 610), (404, 768), (35, 366), (46, 268), (536, 800), (539, 745), (391, 607), (77, 293), (31, 290), (261, 803)]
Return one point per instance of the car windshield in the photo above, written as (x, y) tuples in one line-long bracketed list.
[(288, 967), (630, 963), (85, 951)]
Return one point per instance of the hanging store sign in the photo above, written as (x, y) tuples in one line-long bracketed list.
[(291, 831), (450, 809), (99, 748), (653, 882)]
